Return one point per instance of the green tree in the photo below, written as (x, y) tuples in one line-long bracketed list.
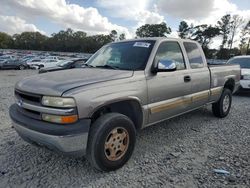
[(122, 36), (153, 30), (79, 35), (6, 41), (235, 23), (93, 43), (184, 30), (63, 40), (224, 25), (245, 38), (113, 34), (204, 34), (29, 40)]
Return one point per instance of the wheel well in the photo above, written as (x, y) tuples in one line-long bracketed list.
[(230, 84), (130, 108)]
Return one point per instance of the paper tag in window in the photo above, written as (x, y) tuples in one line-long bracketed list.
[(142, 44)]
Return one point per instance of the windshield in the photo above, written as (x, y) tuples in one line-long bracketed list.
[(5, 57), (131, 55), (64, 63), (243, 62)]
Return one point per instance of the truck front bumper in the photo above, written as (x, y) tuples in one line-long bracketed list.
[(67, 139)]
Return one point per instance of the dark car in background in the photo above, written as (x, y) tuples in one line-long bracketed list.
[(67, 64), (13, 64)]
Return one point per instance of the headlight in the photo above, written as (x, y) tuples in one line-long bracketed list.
[(59, 119), (58, 101)]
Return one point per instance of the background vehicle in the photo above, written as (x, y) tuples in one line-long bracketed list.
[(67, 64), (244, 62), (7, 57), (126, 86), (33, 63), (40, 63), (50, 62), (216, 61), (13, 64)]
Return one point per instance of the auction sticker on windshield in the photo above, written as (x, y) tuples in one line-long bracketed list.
[(142, 44)]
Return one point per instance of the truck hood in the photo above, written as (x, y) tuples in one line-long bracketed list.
[(245, 71), (56, 83)]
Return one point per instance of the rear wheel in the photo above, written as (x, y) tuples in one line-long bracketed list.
[(222, 107), (111, 141), (40, 66), (21, 67)]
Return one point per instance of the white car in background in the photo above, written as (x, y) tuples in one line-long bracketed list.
[(244, 62), (54, 58), (34, 62), (50, 61)]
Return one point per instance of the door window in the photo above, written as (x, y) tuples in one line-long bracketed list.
[(194, 55), (171, 51)]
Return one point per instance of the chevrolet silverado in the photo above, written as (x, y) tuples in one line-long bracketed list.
[(126, 86)]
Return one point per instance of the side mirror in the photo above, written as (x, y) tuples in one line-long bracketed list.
[(165, 66)]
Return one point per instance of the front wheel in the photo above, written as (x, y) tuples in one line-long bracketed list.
[(111, 141), (222, 107)]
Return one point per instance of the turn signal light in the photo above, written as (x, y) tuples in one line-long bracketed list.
[(60, 119)]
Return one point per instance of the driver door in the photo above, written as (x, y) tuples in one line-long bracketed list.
[(167, 91), (8, 64)]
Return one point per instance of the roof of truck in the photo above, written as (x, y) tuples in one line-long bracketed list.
[(157, 39)]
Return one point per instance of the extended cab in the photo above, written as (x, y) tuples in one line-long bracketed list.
[(124, 87)]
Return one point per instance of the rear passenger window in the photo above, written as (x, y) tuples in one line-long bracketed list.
[(171, 51), (194, 55)]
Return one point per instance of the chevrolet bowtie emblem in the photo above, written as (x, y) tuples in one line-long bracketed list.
[(20, 103)]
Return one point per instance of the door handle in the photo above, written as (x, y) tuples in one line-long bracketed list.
[(187, 78)]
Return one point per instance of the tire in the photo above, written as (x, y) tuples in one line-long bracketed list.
[(40, 66), (102, 134), (222, 107), (21, 67)]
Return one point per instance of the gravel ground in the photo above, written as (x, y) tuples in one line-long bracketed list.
[(182, 152)]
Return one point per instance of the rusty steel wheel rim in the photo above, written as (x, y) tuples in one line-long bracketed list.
[(116, 144), (226, 103)]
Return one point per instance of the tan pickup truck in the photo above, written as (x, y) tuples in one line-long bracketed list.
[(125, 86)]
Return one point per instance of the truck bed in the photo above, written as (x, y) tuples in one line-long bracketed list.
[(221, 73)]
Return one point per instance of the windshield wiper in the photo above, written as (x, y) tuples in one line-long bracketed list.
[(109, 67)]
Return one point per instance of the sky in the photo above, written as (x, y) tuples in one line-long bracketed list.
[(102, 16)]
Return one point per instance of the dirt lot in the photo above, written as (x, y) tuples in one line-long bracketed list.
[(182, 152)]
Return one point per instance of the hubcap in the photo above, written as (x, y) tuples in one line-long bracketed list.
[(116, 144), (226, 103)]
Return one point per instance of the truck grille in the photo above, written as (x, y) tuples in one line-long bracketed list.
[(33, 98), (30, 105), (30, 113), (29, 98)]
